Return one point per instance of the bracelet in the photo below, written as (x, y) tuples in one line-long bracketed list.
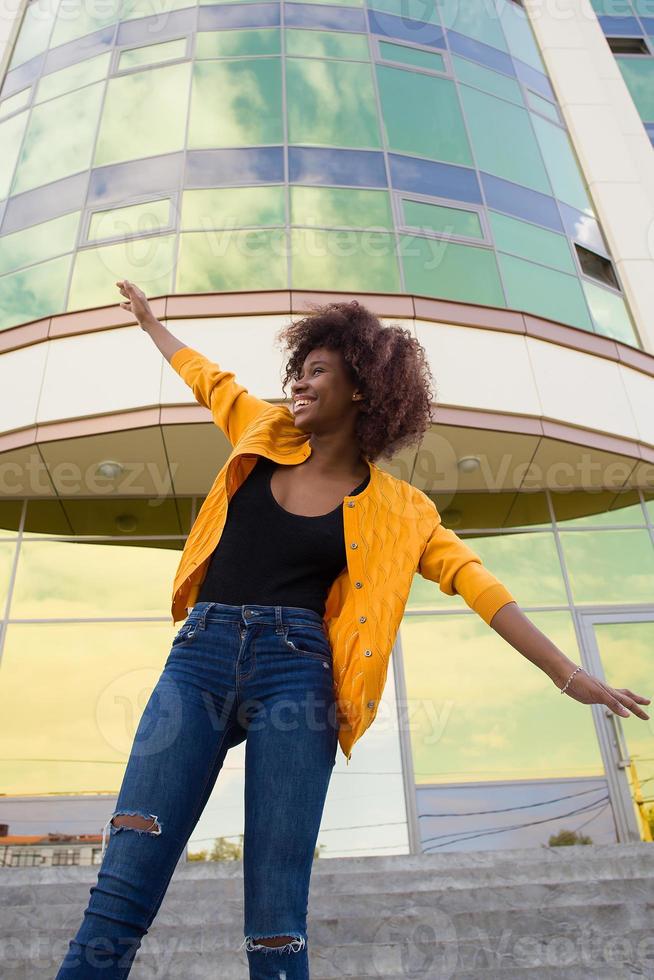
[(570, 678)]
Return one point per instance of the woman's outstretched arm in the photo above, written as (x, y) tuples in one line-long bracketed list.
[(137, 304)]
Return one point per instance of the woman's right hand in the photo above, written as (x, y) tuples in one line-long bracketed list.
[(136, 303)]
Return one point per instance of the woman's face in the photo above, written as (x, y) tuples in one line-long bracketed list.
[(324, 391)]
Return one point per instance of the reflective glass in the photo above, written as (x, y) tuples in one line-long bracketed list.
[(250, 103), (517, 30), (45, 202), (316, 165), (147, 8), (150, 54), (561, 164), (422, 115), (125, 180), (522, 202), (59, 138), (424, 176), (246, 165), (545, 292), (410, 10), (475, 18), (80, 50), (232, 207), (81, 19), (344, 260), (34, 32), (485, 78), (11, 135), (503, 139), (332, 206), (402, 28), (450, 270), (609, 311), (144, 114), (531, 242), (148, 261), (483, 53), (609, 566), (542, 105), (407, 55), (131, 220), (148, 30), (226, 260), (224, 44), (15, 102), (38, 243), (331, 103), (321, 17), (34, 292), (7, 553), (226, 15), (73, 77), (638, 73), (585, 508), (441, 219), (327, 44)]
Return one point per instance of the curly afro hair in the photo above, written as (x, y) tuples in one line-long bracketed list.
[(387, 363)]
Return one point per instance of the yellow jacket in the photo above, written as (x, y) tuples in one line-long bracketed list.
[(391, 529)]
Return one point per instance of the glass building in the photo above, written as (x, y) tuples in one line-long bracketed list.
[(477, 173)]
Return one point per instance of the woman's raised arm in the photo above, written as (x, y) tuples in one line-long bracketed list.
[(137, 304)]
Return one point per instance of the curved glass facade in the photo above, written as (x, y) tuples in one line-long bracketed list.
[(388, 146)]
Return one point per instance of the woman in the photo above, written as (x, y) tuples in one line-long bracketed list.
[(296, 573)]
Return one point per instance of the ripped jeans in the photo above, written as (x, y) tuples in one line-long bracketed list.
[(257, 673)]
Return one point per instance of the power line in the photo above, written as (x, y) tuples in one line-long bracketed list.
[(523, 806)]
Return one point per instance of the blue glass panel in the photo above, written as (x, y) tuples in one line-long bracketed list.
[(118, 181), (79, 50), (614, 26), (583, 228), (648, 24), (238, 15), (503, 195), (429, 177), (483, 53), (534, 79), (327, 17), (317, 165), (20, 77), (49, 201), (406, 30), (152, 29), (258, 165)]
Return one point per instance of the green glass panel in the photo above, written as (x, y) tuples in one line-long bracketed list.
[(543, 106), (11, 135), (485, 78), (33, 34), (149, 54), (147, 261), (474, 18), (327, 44), (350, 3), (232, 207), (147, 8), (503, 139), (15, 102), (411, 56), (545, 292), (565, 175), (609, 311), (225, 44), (332, 206), (427, 13), (73, 77), (638, 74), (222, 261), (39, 242), (609, 566), (422, 115), (331, 103), (345, 260), (136, 218), (447, 221), (597, 508), (144, 114), (519, 34), (34, 292), (77, 20), (450, 270), (531, 242), (59, 138), (250, 103)]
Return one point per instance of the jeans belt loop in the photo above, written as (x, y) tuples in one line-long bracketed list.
[(279, 622)]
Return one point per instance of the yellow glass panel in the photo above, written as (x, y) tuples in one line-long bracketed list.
[(148, 54), (609, 566), (131, 220), (73, 77), (224, 260), (232, 207), (344, 260), (148, 261)]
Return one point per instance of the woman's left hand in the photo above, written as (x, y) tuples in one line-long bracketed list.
[(589, 689)]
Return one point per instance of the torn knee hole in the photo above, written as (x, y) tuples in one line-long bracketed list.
[(281, 944), (136, 822)]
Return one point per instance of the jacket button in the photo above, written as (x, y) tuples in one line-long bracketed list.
[(368, 653), (371, 704), (362, 619), (354, 545), (358, 584), (350, 503)]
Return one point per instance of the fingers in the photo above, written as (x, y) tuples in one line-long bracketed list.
[(631, 700)]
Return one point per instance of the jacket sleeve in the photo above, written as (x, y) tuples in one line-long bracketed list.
[(448, 560), (230, 403)]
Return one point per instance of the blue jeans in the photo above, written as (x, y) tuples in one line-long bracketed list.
[(257, 673)]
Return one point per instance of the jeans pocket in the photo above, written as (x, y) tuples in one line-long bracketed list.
[(186, 632), (308, 641)]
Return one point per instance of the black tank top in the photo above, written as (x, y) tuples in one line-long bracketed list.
[(268, 556)]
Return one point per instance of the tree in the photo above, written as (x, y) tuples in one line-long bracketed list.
[(567, 837)]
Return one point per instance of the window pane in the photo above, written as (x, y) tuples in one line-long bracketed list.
[(422, 115), (11, 134), (331, 103), (38, 242), (7, 551), (411, 56), (561, 164), (148, 261), (531, 242), (250, 107), (225, 260), (15, 102), (144, 114), (639, 75), (59, 138), (149, 54), (34, 32), (147, 8), (476, 19), (609, 566), (74, 22), (544, 291), (73, 77), (447, 221), (610, 313), (487, 79), (327, 44), (331, 206), (519, 34), (34, 292), (542, 105), (232, 207), (135, 219), (450, 270), (222, 44), (348, 260)]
